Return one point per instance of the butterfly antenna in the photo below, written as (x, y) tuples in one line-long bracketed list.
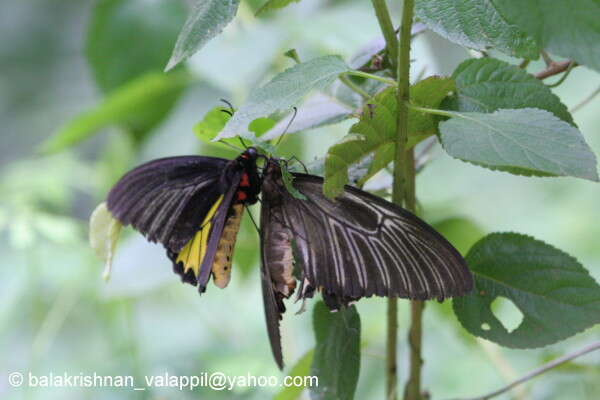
[(242, 142), (287, 127), (231, 109), (294, 158)]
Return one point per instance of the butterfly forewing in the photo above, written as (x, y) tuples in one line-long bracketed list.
[(193, 206), (359, 245), (167, 199)]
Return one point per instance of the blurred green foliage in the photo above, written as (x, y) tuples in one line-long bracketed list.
[(56, 313)]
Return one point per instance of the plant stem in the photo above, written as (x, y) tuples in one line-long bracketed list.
[(367, 75), (391, 345), (434, 111), (348, 82), (404, 187), (405, 171), (555, 68), (544, 368), (387, 28)]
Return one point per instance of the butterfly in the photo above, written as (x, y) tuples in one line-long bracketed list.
[(356, 245)]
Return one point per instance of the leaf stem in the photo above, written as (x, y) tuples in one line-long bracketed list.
[(387, 28), (433, 111), (544, 368), (348, 82), (367, 75)]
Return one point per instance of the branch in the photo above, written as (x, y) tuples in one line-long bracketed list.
[(404, 188), (544, 368), (387, 28), (585, 101), (555, 68)]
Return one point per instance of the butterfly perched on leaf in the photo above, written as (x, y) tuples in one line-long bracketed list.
[(356, 245)]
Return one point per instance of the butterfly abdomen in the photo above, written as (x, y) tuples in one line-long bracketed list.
[(221, 268)]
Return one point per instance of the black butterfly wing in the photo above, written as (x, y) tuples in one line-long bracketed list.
[(276, 272), (167, 199), (360, 245)]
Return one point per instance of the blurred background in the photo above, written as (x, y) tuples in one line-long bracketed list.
[(59, 58)]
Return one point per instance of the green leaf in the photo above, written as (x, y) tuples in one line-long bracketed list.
[(337, 353), (568, 28), (213, 122), (527, 142), (486, 85), (556, 295), (118, 51), (260, 126), (301, 368), (284, 91), (376, 132), (477, 24), (104, 234), (429, 92), (141, 93), (206, 20), (275, 4), (288, 181)]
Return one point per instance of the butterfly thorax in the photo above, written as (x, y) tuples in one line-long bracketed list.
[(250, 182)]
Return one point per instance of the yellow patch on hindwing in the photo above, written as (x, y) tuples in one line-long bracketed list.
[(194, 251), (221, 267)]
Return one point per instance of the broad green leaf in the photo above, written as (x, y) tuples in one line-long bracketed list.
[(274, 4), (462, 232), (336, 359), (375, 133), (118, 51), (477, 24), (141, 93), (104, 234), (486, 85), (568, 28), (556, 295), (301, 368), (206, 20), (284, 91), (527, 141)]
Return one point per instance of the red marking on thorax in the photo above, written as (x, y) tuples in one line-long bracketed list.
[(245, 180), (241, 196)]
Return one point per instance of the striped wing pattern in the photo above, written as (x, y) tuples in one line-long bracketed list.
[(357, 245), (360, 245), (167, 199)]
